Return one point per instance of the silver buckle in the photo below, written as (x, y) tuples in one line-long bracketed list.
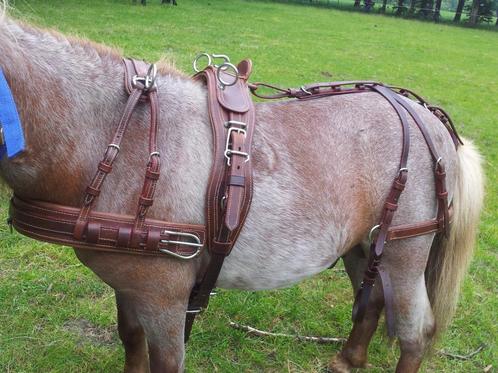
[(197, 243), (229, 152), (371, 233), (195, 311), (231, 123)]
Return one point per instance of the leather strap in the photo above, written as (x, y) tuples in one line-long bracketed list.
[(230, 185), (390, 206), (106, 232), (136, 73)]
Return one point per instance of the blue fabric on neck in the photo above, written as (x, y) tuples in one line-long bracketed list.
[(10, 122)]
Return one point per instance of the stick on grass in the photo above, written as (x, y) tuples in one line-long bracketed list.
[(262, 333)]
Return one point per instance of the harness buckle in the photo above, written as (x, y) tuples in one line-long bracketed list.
[(195, 242), (228, 151), (194, 311), (374, 229)]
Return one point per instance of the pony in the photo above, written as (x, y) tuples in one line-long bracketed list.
[(321, 171)]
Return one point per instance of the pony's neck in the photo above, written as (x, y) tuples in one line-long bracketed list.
[(67, 93)]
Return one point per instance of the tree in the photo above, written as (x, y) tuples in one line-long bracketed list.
[(474, 12), (384, 6), (411, 11), (437, 10), (480, 11), (400, 9), (459, 9)]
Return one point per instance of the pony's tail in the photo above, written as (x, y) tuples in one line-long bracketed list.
[(450, 257)]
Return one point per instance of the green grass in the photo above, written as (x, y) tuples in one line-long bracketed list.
[(56, 316)]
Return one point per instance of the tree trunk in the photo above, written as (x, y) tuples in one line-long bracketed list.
[(474, 13), (384, 5), (437, 10), (459, 9), (357, 3), (399, 11), (411, 11)]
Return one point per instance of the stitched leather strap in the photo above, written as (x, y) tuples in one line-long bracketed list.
[(230, 185), (138, 91), (106, 232)]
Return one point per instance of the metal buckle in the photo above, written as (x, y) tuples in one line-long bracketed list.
[(228, 152), (402, 169), (197, 243), (195, 311), (149, 80), (231, 123), (302, 88), (372, 231)]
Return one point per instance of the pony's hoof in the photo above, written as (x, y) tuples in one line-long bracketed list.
[(340, 364)]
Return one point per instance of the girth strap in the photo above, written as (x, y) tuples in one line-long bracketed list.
[(229, 191)]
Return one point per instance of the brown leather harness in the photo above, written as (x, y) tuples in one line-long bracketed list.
[(229, 192)]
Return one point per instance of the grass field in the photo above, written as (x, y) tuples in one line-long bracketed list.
[(56, 316)]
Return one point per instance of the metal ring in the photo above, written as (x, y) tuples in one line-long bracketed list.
[(402, 169), (226, 67), (198, 57), (222, 56), (114, 146)]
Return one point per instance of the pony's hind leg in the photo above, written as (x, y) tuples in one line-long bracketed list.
[(132, 336), (354, 352)]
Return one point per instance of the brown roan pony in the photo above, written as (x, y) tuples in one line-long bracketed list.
[(322, 169)]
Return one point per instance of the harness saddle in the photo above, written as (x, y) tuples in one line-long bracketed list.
[(230, 189)]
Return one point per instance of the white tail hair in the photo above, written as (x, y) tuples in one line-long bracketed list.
[(450, 257)]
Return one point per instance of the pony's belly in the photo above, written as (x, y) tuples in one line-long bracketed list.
[(271, 268)]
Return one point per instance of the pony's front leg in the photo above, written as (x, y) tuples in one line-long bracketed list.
[(354, 352), (132, 335), (153, 293), (164, 328)]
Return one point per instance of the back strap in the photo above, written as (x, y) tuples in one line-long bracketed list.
[(105, 232)]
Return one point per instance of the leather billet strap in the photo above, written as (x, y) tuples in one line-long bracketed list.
[(140, 86), (229, 193), (106, 232)]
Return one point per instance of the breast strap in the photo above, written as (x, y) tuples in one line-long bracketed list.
[(85, 228)]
